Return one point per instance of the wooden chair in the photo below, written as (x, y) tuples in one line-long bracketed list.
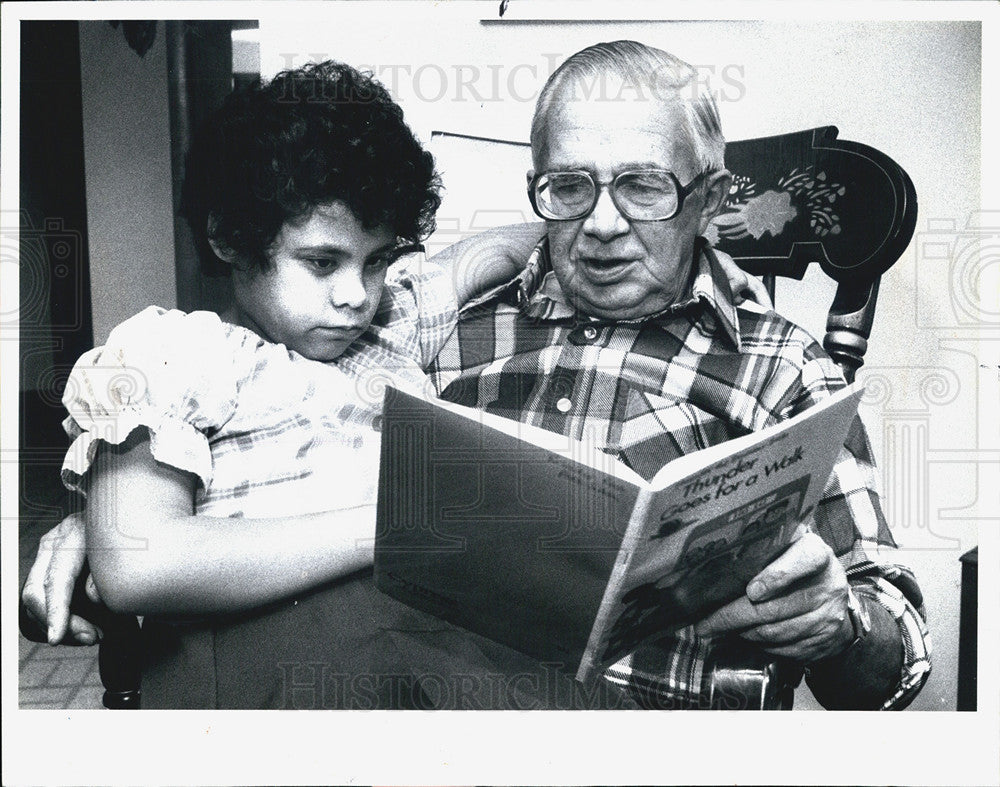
[(809, 197), (798, 199)]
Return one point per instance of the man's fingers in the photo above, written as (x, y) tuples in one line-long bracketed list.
[(83, 632), (33, 596), (31, 616), (33, 593), (744, 286), (743, 614), (814, 623), (803, 651), (807, 557), (65, 565), (804, 615), (91, 589), (754, 290), (734, 616), (59, 582)]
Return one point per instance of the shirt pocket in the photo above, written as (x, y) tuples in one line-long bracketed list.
[(657, 430)]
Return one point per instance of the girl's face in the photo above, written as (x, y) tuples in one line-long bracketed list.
[(323, 286)]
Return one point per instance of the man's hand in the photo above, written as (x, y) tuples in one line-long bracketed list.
[(49, 587), (744, 286), (796, 607)]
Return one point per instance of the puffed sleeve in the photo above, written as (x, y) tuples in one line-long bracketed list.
[(176, 374)]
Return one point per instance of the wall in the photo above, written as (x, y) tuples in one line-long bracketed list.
[(54, 313), (126, 127), (910, 89)]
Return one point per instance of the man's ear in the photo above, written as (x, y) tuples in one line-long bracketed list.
[(529, 176), (717, 186)]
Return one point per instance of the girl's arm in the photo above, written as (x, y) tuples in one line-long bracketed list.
[(150, 554), (490, 258)]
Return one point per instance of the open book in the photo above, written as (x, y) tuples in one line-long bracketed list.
[(557, 549)]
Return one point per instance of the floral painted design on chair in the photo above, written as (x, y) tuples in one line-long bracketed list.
[(749, 214)]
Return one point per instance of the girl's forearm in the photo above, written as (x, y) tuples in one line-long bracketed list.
[(201, 565), (150, 554)]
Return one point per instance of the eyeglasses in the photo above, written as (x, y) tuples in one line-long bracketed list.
[(639, 194)]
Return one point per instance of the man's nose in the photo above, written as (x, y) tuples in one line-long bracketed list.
[(605, 220), (347, 290)]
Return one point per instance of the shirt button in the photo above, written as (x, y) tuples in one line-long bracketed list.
[(564, 405), (590, 334)]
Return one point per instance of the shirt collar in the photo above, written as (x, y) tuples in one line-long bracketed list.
[(536, 292)]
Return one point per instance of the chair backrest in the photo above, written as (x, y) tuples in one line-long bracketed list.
[(808, 197), (797, 199)]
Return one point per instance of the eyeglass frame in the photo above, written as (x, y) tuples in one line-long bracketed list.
[(683, 192)]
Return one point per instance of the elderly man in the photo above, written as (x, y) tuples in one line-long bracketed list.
[(623, 310)]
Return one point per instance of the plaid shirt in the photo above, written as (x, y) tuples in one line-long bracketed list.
[(267, 431), (698, 373)]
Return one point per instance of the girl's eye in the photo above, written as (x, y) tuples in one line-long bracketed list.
[(322, 264)]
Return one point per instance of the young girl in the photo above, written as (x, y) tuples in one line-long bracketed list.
[(231, 463)]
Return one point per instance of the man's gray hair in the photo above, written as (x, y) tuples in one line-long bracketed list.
[(649, 72)]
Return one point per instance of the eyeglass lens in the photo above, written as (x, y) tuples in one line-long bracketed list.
[(640, 195)]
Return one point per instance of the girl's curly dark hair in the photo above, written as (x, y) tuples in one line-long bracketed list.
[(310, 136)]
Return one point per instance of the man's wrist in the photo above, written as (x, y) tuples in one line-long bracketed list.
[(867, 671), (860, 624)]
